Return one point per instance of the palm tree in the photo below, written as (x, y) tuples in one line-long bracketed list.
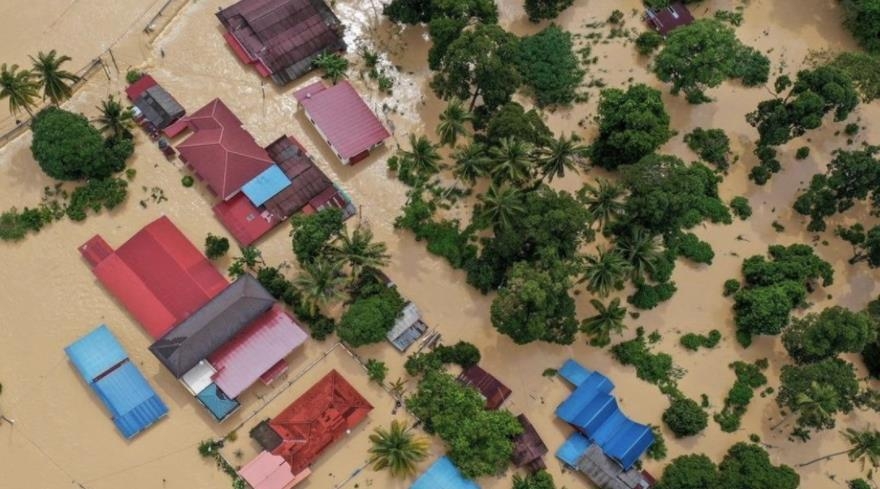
[(359, 250), (512, 160), (321, 283), (500, 206), (397, 449), (19, 87), (641, 250), (608, 319), (605, 271), (471, 162), (48, 72), (452, 122), (333, 64), (864, 446), (560, 155), (397, 387), (115, 119), (603, 201), (422, 157)]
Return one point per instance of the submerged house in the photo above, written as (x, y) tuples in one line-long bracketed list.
[(343, 119), (407, 329), (443, 474), (296, 437), (104, 365), (487, 385), (528, 447), (281, 38), (607, 444), (154, 107), (666, 19)]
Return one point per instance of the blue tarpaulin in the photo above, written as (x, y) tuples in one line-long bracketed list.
[(593, 410), (443, 475), (265, 185), (95, 353), (217, 402), (104, 365)]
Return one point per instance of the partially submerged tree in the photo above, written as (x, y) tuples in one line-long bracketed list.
[(862, 18), (19, 87), (115, 119), (397, 449), (67, 147), (712, 145), (549, 66), (605, 272), (816, 392), (685, 417), (312, 233), (56, 82), (453, 122), (334, 65), (864, 447), (632, 124), (545, 9), (835, 330), (320, 283), (607, 320)]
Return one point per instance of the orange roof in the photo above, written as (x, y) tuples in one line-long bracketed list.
[(322, 415)]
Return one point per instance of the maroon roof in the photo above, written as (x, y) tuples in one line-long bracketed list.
[(135, 90), (342, 117), (666, 19), (220, 151), (281, 37), (527, 446), (491, 388)]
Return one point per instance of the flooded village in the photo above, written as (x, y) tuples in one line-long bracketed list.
[(307, 407)]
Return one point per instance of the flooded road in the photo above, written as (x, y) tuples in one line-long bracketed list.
[(62, 438)]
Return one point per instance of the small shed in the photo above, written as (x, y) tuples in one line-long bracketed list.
[(443, 474), (159, 107), (666, 19), (408, 328), (528, 447), (491, 388)]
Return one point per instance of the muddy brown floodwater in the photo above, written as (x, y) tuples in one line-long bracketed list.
[(48, 297)]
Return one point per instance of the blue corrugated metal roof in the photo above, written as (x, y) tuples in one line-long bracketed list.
[(265, 185), (217, 402), (573, 448), (134, 404), (443, 475), (95, 353), (574, 372)]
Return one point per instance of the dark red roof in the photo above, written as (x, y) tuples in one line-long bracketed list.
[(221, 151), (527, 446), (316, 419), (158, 275), (342, 117), (666, 19), (491, 388), (245, 222), (135, 90), (281, 37)]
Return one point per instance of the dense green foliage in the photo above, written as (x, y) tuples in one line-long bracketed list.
[(705, 53), (712, 145), (656, 368), (463, 354), (689, 472), (731, 286), (334, 66), (312, 233), (685, 417), (862, 18), (816, 392), (370, 317), (545, 9), (376, 370), (549, 67), (863, 69), (740, 206), (632, 124), (538, 480), (648, 42), (649, 296), (215, 246), (513, 121), (835, 330), (772, 288), (745, 466), (284, 290), (688, 245), (397, 449), (749, 376), (477, 441), (96, 194), (423, 11), (608, 319), (693, 341)]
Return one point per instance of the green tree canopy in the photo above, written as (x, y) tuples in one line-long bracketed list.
[(50, 76), (20, 87), (695, 471), (312, 233), (862, 18), (397, 449), (67, 147), (685, 417), (835, 330), (608, 319), (748, 466), (545, 9), (368, 319), (423, 11), (513, 121), (632, 124), (549, 66), (539, 480), (712, 145), (818, 391)]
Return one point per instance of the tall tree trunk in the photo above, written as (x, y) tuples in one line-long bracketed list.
[(824, 457), (474, 99)]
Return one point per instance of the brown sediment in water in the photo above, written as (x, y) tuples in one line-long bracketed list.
[(49, 296)]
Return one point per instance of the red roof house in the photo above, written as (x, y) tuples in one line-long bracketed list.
[(158, 275), (343, 119), (221, 151), (281, 38), (268, 471), (137, 88), (491, 388), (307, 427), (666, 19)]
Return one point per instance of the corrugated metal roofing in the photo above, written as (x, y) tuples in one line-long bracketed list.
[(407, 328), (443, 474), (669, 18), (491, 388), (135, 90), (266, 185), (95, 353), (342, 117), (131, 400), (245, 222), (159, 107), (573, 449), (268, 471), (221, 151), (213, 325), (528, 445), (159, 276), (268, 339)]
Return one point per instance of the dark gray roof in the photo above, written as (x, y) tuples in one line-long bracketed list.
[(159, 107), (607, 473), (213, 325)]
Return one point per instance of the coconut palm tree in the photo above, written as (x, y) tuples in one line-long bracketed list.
[(422, 158), (321, 283), (560, 155), (604, 201), (397, 449), (864, 446), (512, 161), (500, 206), (359, 250), (20, 87), (471, 162), (605, 271), (50, 76), (641, 250), (333, 64), (115, 119), (452, 122), (608, 319)]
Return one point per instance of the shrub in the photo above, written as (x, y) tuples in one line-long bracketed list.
[(133, 75), (67, 147), (688, 245), (685, 417), (657, 450), (731, 286), (648, 42), (322, 327), (802, 153), (858, 484), (851, 129), (740, 207), (368, 319), (649, 296), (215, 246), (376, 370), (693, 341), (187, 181), (95, 195), (712, 145)]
